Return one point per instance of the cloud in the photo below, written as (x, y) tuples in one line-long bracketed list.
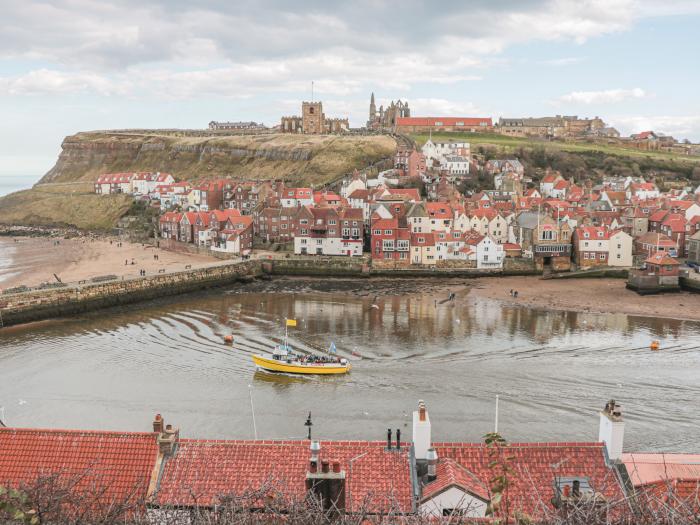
[(602, 97), (45, 81), (557, 62), (439, 107), (678, 126)]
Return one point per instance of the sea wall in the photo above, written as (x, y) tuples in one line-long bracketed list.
[(36, 305), (44, 304)]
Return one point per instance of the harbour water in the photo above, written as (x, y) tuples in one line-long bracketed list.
[(114, 369)]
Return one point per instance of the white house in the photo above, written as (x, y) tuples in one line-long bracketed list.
[(456, 165), (620, 249), (296, 197), (435, 152), (487, 253)]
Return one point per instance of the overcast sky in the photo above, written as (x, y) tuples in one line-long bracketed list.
[(72, 65)]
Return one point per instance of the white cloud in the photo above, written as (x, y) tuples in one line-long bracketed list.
[(566, 61), (678, 126), (45, 81), (439, 107), (603, 97)]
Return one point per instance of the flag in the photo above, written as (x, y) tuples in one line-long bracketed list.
[(291, 322), (332, 349)]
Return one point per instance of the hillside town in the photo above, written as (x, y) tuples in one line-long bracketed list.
[(418, 214)]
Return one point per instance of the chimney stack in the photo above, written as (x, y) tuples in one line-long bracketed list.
[(167, 438), (612, 430), (421, 431), (432, 458)]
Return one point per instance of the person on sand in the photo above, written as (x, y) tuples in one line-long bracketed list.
[(511, 292)]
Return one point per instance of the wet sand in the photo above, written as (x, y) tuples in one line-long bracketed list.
[(588, 295), (31, 261)]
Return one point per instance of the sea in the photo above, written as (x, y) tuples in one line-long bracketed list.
[(12, 183)]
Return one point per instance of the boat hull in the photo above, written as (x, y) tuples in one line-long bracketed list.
[(274, 365)]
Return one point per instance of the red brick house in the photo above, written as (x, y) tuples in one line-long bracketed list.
[(390, 242), (662, 264)]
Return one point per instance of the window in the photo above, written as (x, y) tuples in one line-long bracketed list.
[(585, 255), (346, 232), (388, 232), (331, 222), (303, 221), (331, 231), (547, 235), (304, 231), (377, 232), (303, 241), (602, 257), (284, 226), (319, 241)]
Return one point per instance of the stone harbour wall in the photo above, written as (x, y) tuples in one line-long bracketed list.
[(43, 304), (36, 305)]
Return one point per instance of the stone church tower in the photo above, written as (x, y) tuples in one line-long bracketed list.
[(372, 109)]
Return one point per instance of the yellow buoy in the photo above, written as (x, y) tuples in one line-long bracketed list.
[(655, 345), (228, 339)]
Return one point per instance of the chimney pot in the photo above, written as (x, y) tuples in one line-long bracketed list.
[(567, 491), (432, 458), (158, 423), (325, 466), (336, 466), (398, 439), (388, 439)]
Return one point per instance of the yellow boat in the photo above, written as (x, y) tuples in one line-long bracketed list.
[(284, 360), (288, 363)]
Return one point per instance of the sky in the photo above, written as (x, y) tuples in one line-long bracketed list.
[(77, 65)]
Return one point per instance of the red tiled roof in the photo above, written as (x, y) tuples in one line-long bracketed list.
[(648, 468), (438, 210), (224, 215), (385, 224), (535, 467), (662, 258), (450, 473), (446, 121), (359, 194), (680, 494), (118, 463), (411, 193), (422, 239), (594, 232), (205, 470)]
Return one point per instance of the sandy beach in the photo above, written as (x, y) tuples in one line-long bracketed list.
[(31, 261), (587, 295)]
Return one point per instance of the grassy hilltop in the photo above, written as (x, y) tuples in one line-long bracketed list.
[(65, 195), (307, 159)]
